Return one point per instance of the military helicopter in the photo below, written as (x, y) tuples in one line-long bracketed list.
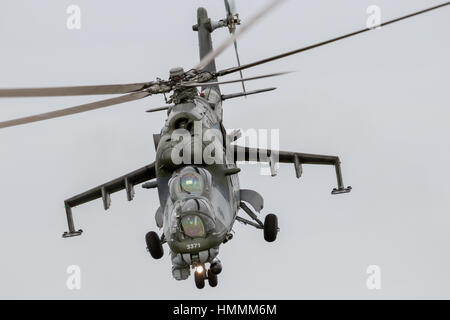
[(199, 191)]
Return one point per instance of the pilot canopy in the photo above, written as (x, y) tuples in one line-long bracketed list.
[(191, 214)]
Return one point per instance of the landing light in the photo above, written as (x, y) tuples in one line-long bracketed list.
[(199, 269)]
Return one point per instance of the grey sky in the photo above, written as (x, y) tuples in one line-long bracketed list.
[(380, 101)]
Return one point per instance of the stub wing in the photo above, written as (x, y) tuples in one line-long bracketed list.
[(125, 182), (272, 157)]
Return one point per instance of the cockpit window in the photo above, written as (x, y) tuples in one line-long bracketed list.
[(193, 226), (191, 183)]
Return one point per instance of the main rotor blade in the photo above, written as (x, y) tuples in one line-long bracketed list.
[(74, 91), (286, 54), (213, 54), (74, 110), (230, 7), (199, 84), (248, 93)]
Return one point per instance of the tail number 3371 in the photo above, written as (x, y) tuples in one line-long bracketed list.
[(194, 245)]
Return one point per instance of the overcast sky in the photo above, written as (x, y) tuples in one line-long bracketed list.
[(379, 100)]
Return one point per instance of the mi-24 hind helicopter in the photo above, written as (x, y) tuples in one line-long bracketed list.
[(199, 198)]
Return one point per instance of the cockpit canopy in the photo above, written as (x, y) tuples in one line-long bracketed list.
[(190, 182), (192, 218), (192, 226), (192, 215)]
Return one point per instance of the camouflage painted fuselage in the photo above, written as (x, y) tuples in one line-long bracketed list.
[(218, 201)]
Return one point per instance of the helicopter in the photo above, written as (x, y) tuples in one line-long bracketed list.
[(195, 170)]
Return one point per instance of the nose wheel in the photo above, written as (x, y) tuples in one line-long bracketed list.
[(200, 275), (199, 279), (212, 279)]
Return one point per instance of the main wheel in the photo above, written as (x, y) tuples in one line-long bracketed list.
[(212, 279), (154, 245), (270, 227), (199, 280)]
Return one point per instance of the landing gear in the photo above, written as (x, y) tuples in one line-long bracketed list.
[(154, 245), (212, 278), (270, 227), (200, 275), (199, 280), (216, 266)]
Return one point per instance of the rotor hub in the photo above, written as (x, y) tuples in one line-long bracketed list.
[(176, 73)]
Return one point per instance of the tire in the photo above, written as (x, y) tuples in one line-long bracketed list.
[(154, 245), (216, 267), (270, 227), (212, 279), (199, 280)]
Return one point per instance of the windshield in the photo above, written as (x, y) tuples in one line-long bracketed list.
[(193, 226), (191, 183)]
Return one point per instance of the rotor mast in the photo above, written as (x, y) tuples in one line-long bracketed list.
[(204, 28)]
